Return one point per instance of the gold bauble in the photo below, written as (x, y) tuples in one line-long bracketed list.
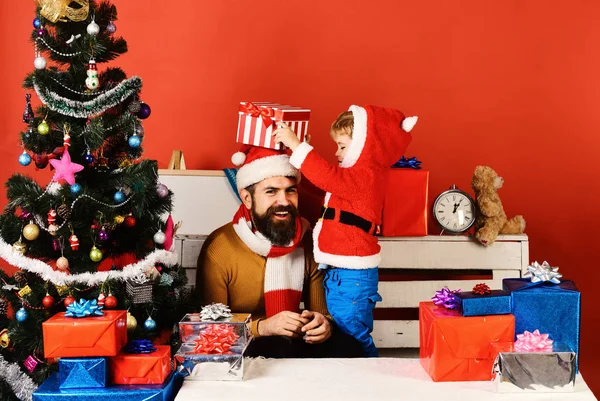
[(131, 322), (31, 232), (95, 254), (62, 263), (119, 219), (4, 339), (20, 247)]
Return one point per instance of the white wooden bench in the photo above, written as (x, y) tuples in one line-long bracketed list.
[(411, 270)]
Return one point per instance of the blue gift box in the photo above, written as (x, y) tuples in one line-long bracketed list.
[(495, 303), (82, 372), (553, 309), (50, 391)]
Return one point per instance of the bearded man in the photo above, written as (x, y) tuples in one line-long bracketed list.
[(262, 263)]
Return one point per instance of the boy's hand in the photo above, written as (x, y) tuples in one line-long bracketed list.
[(286, 136)]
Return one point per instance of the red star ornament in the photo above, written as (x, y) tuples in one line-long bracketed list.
[(65, 168)]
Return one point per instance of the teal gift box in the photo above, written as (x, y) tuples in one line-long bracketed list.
[(553, 309), (50, 390), (496, 303), (82, 372)]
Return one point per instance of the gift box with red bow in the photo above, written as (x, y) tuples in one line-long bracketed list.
[(258, 120)]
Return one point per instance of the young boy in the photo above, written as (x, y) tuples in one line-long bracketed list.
[(370, 139)]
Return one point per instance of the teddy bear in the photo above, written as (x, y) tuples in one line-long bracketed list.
[(491, 219)]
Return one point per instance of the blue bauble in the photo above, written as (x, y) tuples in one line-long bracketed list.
[(22, 315), (119, 197), (24, 159), (89, 159), (135, 141), (150, 324), (37, 23), (75, 188)]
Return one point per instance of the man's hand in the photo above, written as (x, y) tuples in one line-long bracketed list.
[(318, 329), (286, 136), (287, 324)]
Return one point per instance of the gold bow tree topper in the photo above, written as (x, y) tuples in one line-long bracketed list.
[(61, 10)]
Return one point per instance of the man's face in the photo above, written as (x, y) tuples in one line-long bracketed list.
[(274, 208)]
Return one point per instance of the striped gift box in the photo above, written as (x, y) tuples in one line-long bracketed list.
[(257, 122)]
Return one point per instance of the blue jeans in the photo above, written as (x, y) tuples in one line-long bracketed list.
[(351, 297)]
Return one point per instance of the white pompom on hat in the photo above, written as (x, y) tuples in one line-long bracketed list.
[(257, 163)]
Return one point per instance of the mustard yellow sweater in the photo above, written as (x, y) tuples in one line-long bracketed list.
[(230, 273)]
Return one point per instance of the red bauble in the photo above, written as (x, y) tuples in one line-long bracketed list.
[(69, 300), (110, 302), (129, 221), (48, 301)]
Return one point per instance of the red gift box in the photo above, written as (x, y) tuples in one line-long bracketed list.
[(153, 368), (405, 207), (257, 121), (87, 336), (458, 348)]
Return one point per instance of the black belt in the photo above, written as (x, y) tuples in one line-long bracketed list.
[(350, 219)]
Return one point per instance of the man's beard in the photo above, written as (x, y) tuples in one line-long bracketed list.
[(279, 232)]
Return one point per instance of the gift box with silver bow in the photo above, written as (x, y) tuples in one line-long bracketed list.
[(542, 301), (139, 290), (194, 324), (549, 371)]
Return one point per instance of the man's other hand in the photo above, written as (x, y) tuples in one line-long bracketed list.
[(286, 323), (318, 329)]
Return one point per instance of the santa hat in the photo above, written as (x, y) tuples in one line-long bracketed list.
[(258, 163)]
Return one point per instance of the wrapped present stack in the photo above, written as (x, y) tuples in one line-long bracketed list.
[(526, 336), (96, 362), (212, 344), (257, 121), (405, 203)]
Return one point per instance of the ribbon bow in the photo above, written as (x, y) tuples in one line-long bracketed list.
[(533, 342), (215, 311), (139, 347), (446, 298), (216, 339), (265, 113), (84, 308), (541, 273), (407, 163), (482, 289)]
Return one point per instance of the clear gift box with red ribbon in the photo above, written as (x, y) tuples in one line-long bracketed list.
[(258, 120), (213, 349)]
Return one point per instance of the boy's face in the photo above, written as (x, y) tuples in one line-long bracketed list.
[(343, 142)]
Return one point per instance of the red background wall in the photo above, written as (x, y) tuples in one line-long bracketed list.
[(509, 84)]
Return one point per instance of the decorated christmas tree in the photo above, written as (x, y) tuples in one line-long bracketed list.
[(99, 229)]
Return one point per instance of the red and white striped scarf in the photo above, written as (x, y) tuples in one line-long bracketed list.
[(284, 272)]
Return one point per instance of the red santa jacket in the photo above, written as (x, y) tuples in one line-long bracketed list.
[(343, 236)]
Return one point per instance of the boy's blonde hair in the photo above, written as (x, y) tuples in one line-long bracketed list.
[(343, 125)]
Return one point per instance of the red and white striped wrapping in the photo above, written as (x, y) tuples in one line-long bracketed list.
[(257, 120)]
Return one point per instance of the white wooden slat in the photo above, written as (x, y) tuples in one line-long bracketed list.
[(396, 333), (191, 276), (408, 294), (190, 251), (450, 255)]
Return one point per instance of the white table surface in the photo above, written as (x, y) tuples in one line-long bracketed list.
[(398, 379)]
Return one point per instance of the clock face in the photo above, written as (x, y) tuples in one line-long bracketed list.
[(454, 211)]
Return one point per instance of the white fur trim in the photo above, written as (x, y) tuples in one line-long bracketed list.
[(238, 158), (347, 262), (359, 137), (256, 244), (265, 167), (408, 123), (299, 155), (285, 272)]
